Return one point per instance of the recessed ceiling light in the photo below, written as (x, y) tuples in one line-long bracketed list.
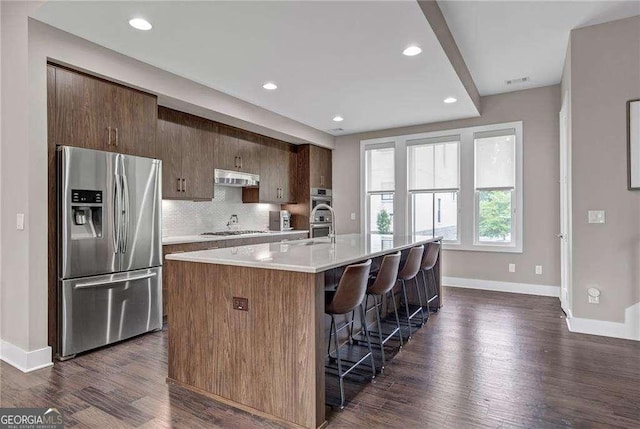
[(338, 118), (450, 100), (140, 24), (412, 51), (270, 86)]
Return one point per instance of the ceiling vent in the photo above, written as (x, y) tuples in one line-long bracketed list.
[(336, 130), (519, 80)]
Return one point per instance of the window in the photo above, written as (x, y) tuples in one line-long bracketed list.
[(463, 184), (495, 181), (433, 167), (380, 188)]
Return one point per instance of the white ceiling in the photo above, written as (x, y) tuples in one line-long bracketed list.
[(328, 58), (502, 40)]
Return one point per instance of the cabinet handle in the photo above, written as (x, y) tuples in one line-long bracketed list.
[(116, 136), (235, 161), (108, 136), (184, 185), (179, 187), (322, 180)]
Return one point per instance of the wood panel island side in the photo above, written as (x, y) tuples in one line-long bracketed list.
[(246, 324)]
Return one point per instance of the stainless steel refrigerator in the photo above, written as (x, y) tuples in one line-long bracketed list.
[(109, 248)]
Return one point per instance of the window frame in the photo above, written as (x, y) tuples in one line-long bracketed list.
[(436, 140), (468, 214), (365, 207)]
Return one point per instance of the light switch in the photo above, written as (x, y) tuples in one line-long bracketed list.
[(353, 216), (512, 268), (20, 221), (596, 216), (538, 269)]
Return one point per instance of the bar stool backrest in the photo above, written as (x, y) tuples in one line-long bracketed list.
[(351, 289), (387, 275), (430, 256), (412, 264)]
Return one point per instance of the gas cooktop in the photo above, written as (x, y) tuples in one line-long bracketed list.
[(241, 232)]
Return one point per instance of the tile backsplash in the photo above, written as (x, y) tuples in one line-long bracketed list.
[(196, 217)]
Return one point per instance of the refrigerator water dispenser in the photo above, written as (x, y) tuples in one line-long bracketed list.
[(86, 209)]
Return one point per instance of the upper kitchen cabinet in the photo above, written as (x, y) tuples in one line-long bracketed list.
[(96, 114), (320, 167), (237, 150), (186, 147), (277, 174)]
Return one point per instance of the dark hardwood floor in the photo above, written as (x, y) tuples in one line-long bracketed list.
[(487, 359)]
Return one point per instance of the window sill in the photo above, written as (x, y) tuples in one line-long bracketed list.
[(482, 248)]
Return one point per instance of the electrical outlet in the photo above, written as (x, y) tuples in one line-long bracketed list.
[(240, 304), (596, 216), (353, 216), (594, 295), (538, 269), (512, 268), (20, 221)]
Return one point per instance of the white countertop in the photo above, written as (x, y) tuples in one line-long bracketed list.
[(307, 256), (182, 239)]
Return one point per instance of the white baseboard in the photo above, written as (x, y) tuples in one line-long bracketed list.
[(525, 288), (629, 330), (23, 360)]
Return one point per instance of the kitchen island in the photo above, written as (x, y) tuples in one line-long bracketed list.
[(246, 324)]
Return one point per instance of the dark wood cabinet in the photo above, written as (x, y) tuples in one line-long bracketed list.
[(320, 167), (134, 117), (313, 170), (96, 114), (186, 147), (277, 174), (237, 150)]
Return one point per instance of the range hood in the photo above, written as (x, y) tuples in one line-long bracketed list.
[(235, 178)]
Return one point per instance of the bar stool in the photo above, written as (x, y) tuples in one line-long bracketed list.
[(347, 297), (409, 272), (428, 266), (381, 285)]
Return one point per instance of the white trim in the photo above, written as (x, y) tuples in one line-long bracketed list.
[(524, 288), (629, 330), (23, 360)]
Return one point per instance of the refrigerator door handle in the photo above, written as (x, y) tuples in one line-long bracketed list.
[(125, 213), (116, 213), (114, 281)]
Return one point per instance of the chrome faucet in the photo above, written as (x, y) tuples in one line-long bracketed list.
[(332, 232)]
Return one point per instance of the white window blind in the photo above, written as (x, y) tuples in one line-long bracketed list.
[(380, 169), (434, 163), (495, 156)]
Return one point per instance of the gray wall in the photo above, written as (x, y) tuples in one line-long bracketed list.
[(538, 109), (604, 73)]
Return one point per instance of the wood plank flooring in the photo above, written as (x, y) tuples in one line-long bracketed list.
[(487, 359)]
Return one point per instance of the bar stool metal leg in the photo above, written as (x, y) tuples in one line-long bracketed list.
[(426, 292), (406, 307), (435, 289), (415, 279), (339, 361), (379, 324), (395, 311), (366, 333)]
